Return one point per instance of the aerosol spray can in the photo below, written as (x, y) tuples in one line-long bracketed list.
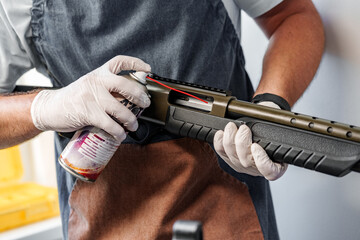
[(90, 149)]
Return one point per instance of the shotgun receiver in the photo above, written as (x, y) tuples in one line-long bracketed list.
[(321, 145), (317, 144)]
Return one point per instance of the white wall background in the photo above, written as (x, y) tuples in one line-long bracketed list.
[(311, 205)]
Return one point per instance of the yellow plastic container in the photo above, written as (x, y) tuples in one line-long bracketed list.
[(22, 203)]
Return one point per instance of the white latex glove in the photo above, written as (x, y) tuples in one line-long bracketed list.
[(235, 147), (88, 101)]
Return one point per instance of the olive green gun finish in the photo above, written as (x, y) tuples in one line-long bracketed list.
[(287, 137)]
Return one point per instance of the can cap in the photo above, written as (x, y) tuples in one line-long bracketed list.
[(139, 76)]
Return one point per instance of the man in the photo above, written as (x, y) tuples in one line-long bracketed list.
[(144, 189)]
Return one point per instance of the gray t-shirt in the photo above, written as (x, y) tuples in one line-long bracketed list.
[(17, 54)]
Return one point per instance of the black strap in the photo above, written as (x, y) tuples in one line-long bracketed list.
[(281, 102)]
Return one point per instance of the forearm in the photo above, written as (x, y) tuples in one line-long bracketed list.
[(16, 125), (293, 55)]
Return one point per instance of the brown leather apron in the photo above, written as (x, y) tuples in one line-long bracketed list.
[(145, 189)]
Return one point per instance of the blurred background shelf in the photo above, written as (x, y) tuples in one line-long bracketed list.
[(49, 229)]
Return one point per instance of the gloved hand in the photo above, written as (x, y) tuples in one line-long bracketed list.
[(88, 101), (235, 147)]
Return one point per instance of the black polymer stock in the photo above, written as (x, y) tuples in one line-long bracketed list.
[(287, 137)]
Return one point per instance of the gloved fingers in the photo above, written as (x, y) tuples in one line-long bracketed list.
[(243, 141), (219, 148), (218, 144), (229, 143), (121, 62), (103, 121), (122, 115), (269, 169), (131, 90)]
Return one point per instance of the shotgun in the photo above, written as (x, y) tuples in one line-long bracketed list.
[(317, 144)]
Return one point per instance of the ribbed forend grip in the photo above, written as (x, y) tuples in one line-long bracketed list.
[(311, 150), (302, 148)]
